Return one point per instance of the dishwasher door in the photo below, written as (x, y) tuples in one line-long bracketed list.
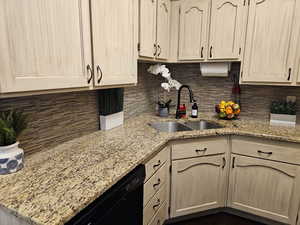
[(120, 205)]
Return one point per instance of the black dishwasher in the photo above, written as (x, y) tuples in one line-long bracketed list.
[(122, 204)]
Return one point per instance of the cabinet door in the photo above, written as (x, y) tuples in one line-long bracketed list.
[(147, 28), (44, 44), (193, 29), (264, 188), (163, 28), (269, 50), (114, 41), (198, 184), (226, 29)]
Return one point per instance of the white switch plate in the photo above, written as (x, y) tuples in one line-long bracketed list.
[(291, 98)]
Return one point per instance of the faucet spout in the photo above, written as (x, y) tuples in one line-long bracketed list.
[(179, 98)]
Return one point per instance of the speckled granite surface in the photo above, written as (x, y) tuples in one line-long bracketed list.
[(58, 183)]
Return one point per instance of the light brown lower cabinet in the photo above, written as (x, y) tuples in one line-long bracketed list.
[(198, 184), (265, 188)]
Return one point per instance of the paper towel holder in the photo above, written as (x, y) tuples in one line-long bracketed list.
[(215, 69)]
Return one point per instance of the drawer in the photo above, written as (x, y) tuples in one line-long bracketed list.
[(199, 147), (154, 184), (154, 204), (160, 217), (266, 149), (156, 162)]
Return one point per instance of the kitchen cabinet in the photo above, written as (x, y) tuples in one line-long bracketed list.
[(265, 188), (227, 29), (198, 184), (154, 29), (193, 30), (271, 40), (114, 41), (44, 45)]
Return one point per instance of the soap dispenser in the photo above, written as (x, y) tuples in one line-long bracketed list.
[(195, 110)]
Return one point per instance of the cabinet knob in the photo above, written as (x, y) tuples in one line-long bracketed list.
[(159, 50), (157, 184), (202, 48), (157, 165), (155, 50), (266, 153), (210, 52), (90, 72), (99, 74), (201, 150)]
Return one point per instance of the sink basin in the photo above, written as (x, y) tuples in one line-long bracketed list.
[(169, 127), (203, 125)]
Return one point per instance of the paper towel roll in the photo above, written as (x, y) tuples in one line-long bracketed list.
[(215, 69)]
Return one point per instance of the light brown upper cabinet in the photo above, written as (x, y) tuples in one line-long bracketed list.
[(154, 29), (271, 41), (114, 24), (227, 29), (193, 29), (44, 45)]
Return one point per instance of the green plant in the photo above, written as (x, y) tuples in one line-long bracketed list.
[(282, 107), (12, 123)]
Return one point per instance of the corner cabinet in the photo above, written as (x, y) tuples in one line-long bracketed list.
[(193, 30), (227, 29), (154, 29), (272, 188), (48, 48), (115, 30), (271, 41)]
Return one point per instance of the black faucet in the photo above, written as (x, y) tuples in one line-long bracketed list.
[(179, 96)]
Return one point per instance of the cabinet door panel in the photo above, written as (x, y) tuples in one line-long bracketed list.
[(226, 29), (193, 29), (197, 185), (147, 29), (268, 53), (163, 28), (114, 39), (265, 188), (44, 44)]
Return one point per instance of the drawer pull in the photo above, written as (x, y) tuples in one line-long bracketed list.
[(157, 204), (157, 165), (201, 150), (262, 152), (157, 184)]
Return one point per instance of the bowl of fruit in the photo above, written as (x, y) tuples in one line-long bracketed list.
[(228, 110)]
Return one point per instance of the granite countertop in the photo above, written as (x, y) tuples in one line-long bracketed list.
[(57, 183)]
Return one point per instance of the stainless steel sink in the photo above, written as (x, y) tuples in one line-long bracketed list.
[(169, 127), (203, 125)]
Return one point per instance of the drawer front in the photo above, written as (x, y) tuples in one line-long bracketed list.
[(160, 217), (154, 184), (156, 162), (200, 147), (272, 150), (155, 204)]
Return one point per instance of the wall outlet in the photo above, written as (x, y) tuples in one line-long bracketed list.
[(291, 98)]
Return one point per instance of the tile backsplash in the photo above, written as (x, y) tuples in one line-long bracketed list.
[(56, 118)]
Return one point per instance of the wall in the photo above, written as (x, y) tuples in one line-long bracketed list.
[(58, 118)]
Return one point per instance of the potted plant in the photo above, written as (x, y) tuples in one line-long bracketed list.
[(12, 123), (283, 113)]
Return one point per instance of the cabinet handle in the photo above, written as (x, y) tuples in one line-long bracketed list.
[(157, 165), (90, 71), (201, 150), (202, 52), (233, 162), (158, 222), (99, 72), (157, 204), (210, 52), (157, 184), (159, 48), (290, 73), (262, 152), (224, 163), (155, 50)]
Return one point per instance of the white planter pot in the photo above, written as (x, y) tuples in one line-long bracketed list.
[(111, 121), (283, 120), (11, 159)]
